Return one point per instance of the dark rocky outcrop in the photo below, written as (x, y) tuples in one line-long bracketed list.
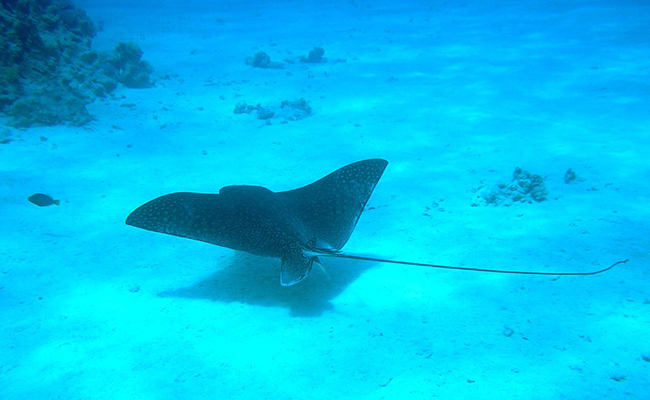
[(48, 70)]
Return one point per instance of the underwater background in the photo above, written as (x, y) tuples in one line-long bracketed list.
[(517, 135)]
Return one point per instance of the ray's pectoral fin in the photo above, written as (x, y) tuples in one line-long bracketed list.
[(295, 267)]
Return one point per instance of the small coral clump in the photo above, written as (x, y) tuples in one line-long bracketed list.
[(262, 60), (315, 56), (132, 71), (524, 188)]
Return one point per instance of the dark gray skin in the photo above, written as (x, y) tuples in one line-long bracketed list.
[(295, 226)]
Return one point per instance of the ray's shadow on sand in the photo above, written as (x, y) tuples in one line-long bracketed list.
[(256, 280)]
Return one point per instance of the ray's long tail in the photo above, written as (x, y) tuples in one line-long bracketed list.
[(497, 271)]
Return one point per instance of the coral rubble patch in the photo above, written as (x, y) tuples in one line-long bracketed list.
[(524, 188), (287, 110)]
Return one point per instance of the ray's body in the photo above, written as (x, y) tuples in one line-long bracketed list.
[(296, 226)]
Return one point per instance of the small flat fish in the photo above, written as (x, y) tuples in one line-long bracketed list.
[(42, 200)]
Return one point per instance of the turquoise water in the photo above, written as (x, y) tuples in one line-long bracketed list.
[(455, 95)]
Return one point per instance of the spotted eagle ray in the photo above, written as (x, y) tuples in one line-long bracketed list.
[(296, 226)]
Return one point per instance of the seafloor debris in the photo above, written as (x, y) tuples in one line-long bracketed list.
[(287, 110), (48, 71), (262, 112), (570, 177), (295, 110), (524, 188), (508, 331)]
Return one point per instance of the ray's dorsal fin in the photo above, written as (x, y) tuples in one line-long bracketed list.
[(331, 206)]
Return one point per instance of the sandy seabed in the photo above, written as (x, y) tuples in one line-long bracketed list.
[(455, 95)]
